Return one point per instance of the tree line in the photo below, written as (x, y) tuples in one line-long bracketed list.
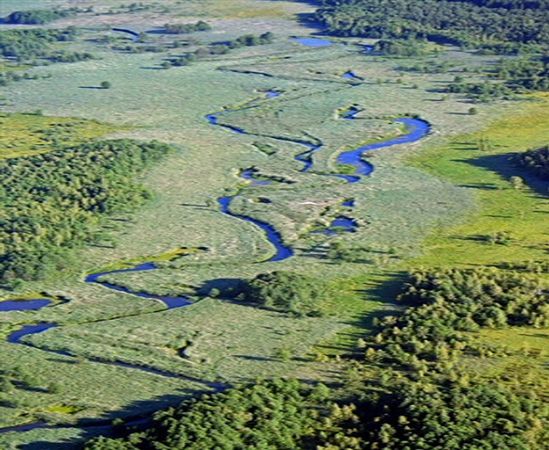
[(248, 40), (13, 76), (27, 46), (185, 28), (411, 47), (52, 203), (287, 292), (506, 78)]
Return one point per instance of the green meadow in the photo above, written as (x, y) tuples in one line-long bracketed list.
[(427, 204)]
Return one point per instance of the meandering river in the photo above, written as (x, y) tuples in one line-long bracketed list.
[(416, 129)]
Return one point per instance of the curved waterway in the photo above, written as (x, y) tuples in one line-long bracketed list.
[(416, 129), (134, 34), (170, 302), (16, 336), (273, 236)]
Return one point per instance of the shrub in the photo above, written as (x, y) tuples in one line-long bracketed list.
[(535, 160), (287, 292)]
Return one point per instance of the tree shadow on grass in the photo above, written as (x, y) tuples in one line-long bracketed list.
[(226, 287), (484, 186), (503, 165), (383, 294), (136, 416), (255, 358), (308, 19)]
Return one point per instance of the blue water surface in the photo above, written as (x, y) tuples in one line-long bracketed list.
[(341, 224), (24, 305), (350, 75), (170, 302), (417, 129), (16, 336), (213, 119), (251, 174), (312, 42), (282, 251)]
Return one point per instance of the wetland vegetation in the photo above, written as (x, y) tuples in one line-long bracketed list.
[(327, 237)]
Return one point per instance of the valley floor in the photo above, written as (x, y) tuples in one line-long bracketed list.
[(115, 354)]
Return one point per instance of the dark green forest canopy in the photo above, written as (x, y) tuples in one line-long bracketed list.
[(468, 299), (483, 23), (506, 78), (52, 203), (284, 414)]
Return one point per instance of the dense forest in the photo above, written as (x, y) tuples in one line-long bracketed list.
[(410, 47), (501, 25), (52, 202), (506, 78), (409, 390), (400, 415)]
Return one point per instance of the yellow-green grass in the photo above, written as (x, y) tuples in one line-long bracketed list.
[(526, 360), (167, 256), (521, 212), (31, 134), (500, 208), (11, 67), (245, 9)]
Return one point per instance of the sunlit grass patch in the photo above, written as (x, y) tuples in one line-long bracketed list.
[(479, 161), (31, 134), (167, 256), (527, 358)]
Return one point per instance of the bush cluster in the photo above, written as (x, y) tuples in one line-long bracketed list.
[(186, 28), (535, 160)]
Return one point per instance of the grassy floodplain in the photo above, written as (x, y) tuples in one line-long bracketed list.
[(519, 212), (425, 205)]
